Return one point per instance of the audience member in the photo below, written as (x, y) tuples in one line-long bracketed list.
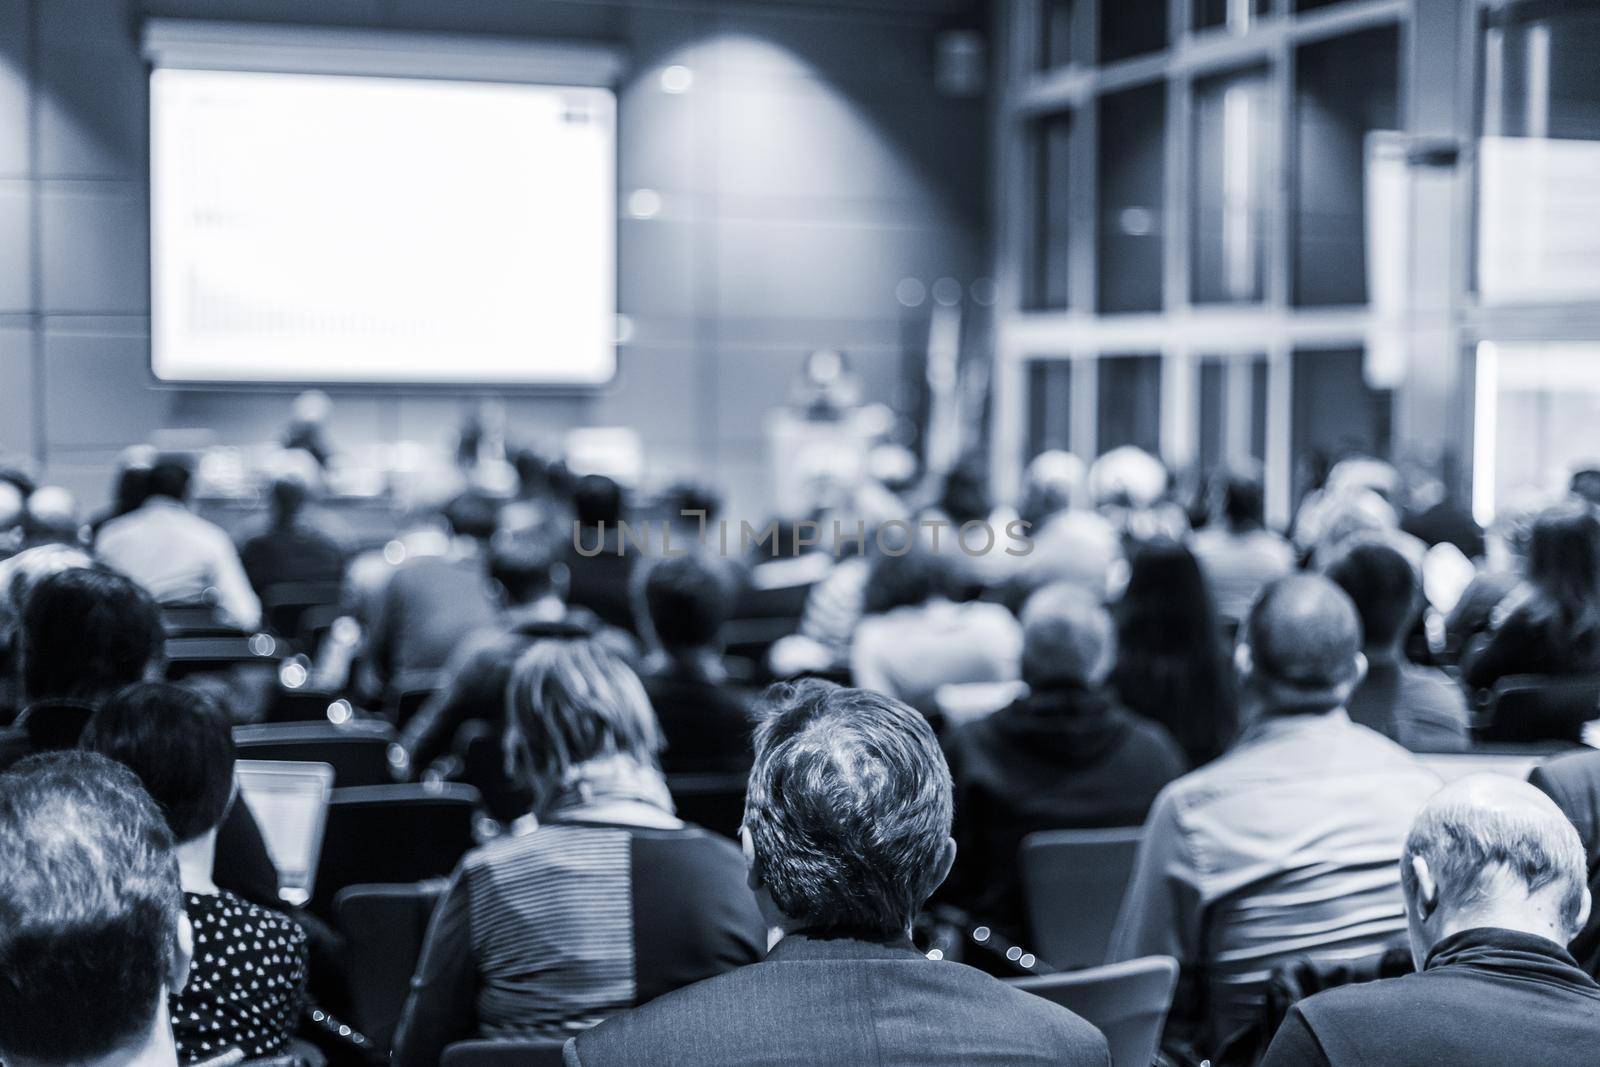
[(247, 978), (1555, 629), (1420, 707), (91, 920), (1289, 844), (527, 569), (1434, 513), (1585, 485), (1237, 552), (1171, 666), (12, 512), (914, 638), (1494, 887), (705, 719), (846, 833), (295, 546), (609, 903), (1069, 541), (600, 563), (1573, 782), (18, 575), (85, 634), (1064, 756), (175, 554), (1130, 488), (1501, 572), (130, 489), (51, 518), (432, 601)]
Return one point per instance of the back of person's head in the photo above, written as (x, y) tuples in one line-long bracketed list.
[(1384, 587), (905, 577), (964, 496), (695, 501), (13, 507), (1300, 648), (1585, 485), (89, 912), (472, 514), (1167, 604), (179, 743), (570, 702), (1489, 850), (1128, 476), (687, 601), (597, 499), (1054, 482), (169, 477), (527, 562), (1067, 638), (52, 516), (86, 632), (1564, 564), (848, 810), (1242, 503)]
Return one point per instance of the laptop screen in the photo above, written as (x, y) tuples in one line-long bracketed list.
[(290, 803)]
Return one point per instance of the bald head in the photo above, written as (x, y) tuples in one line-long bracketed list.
[(1490, 850), (1303, 644), (1067, 638)]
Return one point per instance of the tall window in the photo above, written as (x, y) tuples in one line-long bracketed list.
[(1132, 197), (1047, 278), (1129, 402), (1228, 242)]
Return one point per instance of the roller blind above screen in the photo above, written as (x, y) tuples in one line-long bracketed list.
[(368, 206)]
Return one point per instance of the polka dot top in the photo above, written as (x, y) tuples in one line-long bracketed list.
[(246, 983)]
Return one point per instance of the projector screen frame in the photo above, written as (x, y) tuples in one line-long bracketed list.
[(210, 45)]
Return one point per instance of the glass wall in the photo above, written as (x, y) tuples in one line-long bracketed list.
[(1537, 406), (1132, 196), (1228, 239), (1345, 89), (1047, 275), (1236, 16), (1049, 406), (1539, 155), (1129, 402)]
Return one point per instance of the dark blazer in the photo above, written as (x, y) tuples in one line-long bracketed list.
[(832, 1001), (1485, 998), (1573, 782)]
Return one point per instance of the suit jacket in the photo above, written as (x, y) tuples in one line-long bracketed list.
[(830, 1001), (1484, 998), (1573, 782)]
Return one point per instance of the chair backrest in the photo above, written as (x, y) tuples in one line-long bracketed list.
[(1072, 885), (384, 927), (527, 1052), (713, 801), (1128, 1002), (220, 652), (1530, 707), (408, 703), (285, 604), (392, 833), (358, 751)]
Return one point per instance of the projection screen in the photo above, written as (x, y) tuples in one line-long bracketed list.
[(311, 227)]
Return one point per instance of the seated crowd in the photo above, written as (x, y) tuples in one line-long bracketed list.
[(1271, 711)]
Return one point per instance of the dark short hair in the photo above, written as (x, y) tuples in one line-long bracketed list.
[(89, 906), (693, 497), (688, 601), (597, 499), (1242, 501), (180, 745), (849, 808), (169, 477), (86, 632), (911, 577), (472, 514), (1384, 588), (524, 561)]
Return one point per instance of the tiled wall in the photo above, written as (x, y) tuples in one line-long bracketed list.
[(810, 166)]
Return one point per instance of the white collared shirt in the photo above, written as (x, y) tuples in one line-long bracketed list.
[(178, 556)]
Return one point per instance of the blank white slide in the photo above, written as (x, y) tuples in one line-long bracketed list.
[(328, 228)]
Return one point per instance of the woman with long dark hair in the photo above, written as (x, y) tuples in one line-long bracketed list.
[(1552, 624), (1172, 667)]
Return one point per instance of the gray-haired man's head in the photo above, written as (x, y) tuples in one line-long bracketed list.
[(1488, 850), (847, 818), (1300, 647), (1067, 638)]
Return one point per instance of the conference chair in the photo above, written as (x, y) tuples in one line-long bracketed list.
[(1531, 707), (362, 752), (713, 801), (1127, 1001), (285, 605), (526, 1052), (392, 833), (195, 620), (384, 926), (409, 702), (1072, 886)]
